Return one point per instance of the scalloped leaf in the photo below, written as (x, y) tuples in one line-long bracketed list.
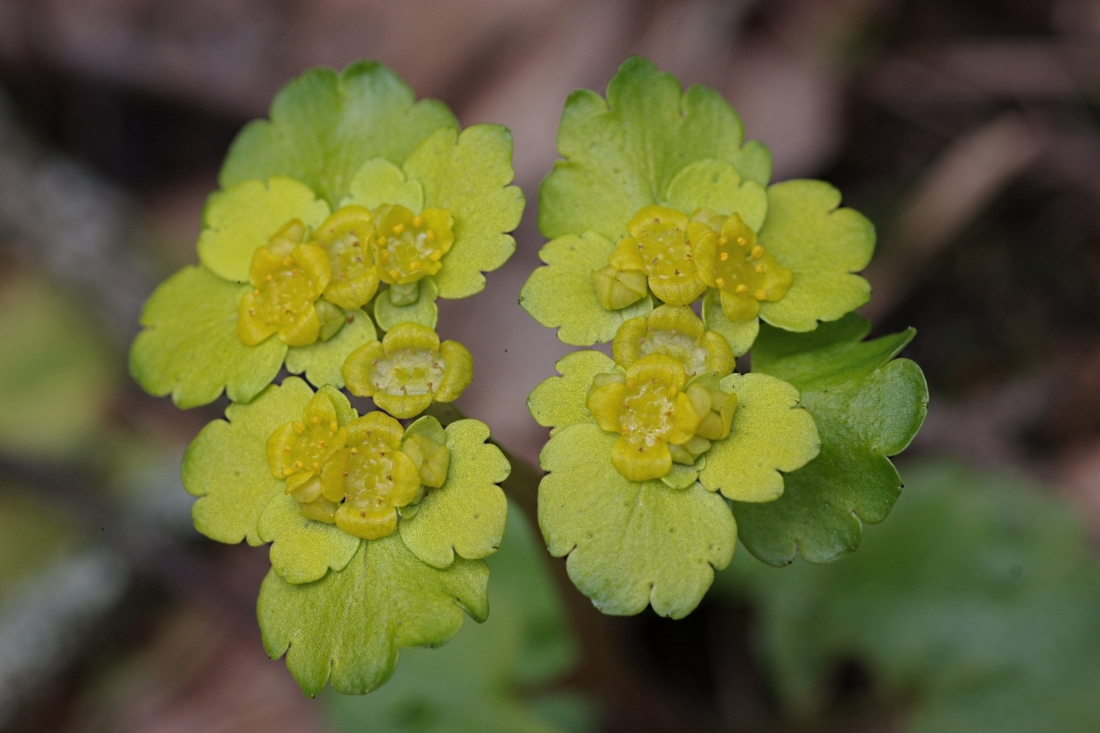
[(226, 464), (559, 402), (424, 311), (740, 335), (189, 347), (976, 604), (629, 544), (867, 406), (823, 245), (483, 680), (381, 182), (621, 154), (247, 215), (771, 432), (325, 125), (303, 550), (561, 294), (348, 627), (466, 515), (468, 174), (321, 361), (716, 185)]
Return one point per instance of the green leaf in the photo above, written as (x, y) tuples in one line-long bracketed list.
[(467, 514), (622, 153), (682, 476), (226, 464), (348, 627), (468, 175), (303, 550), (740, 335), (561, 294), (189, 347), (247, 215), (325, 125), (716, 185), (770, 433), (321, 361), (974, 609), (56, 372), (559, 402), (822, 245), (492, 677), (629, 544), (381, 182), (865, 411), (424, 311)]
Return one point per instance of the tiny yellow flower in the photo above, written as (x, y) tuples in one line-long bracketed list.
[(739, 268), (662, 244), (302, 452), (372, 477), (411, 246), (648, 407), (287, 278), (677, 332), (347, 236), (408, 370)]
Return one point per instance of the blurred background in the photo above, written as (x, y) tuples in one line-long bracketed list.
[(967, 130)]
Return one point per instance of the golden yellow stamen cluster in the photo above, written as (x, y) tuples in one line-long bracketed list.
[(678, 258), (301, 282), (356, 476)]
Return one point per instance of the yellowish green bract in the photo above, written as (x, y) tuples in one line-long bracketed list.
[(650, 142), (354, 138), (806, 457), (414, 576)]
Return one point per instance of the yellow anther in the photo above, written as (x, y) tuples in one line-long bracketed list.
[(720, 282), (415, 265), (759, 269), (761, 294), (742, 241), (757, 252), (288, 471), (299, 427), (723, 240), (384, 255), (298, 464), (724, 256), (430, 236), (315, 420), (398, 228), (288, 261), (381, 241), (435, 256), (742, 289), (417, 221)]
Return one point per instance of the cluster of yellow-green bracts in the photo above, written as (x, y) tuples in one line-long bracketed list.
[(338, 224), (669, 241)]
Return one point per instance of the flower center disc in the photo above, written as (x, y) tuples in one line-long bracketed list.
[(647, 414), (409, 372)]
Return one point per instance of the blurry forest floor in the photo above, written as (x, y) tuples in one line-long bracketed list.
[(968, 131)]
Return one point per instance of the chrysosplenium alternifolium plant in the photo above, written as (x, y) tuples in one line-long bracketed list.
[(668, 241), (350, 211)]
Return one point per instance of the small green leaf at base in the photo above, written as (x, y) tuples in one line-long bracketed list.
[(348, 627), (561, 294), (321, 362), (465, 516), (424, 311), (381, 182), (629, 544), (771, 432), (189, 347), (864, 413), (559, 402), (325, 125)]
